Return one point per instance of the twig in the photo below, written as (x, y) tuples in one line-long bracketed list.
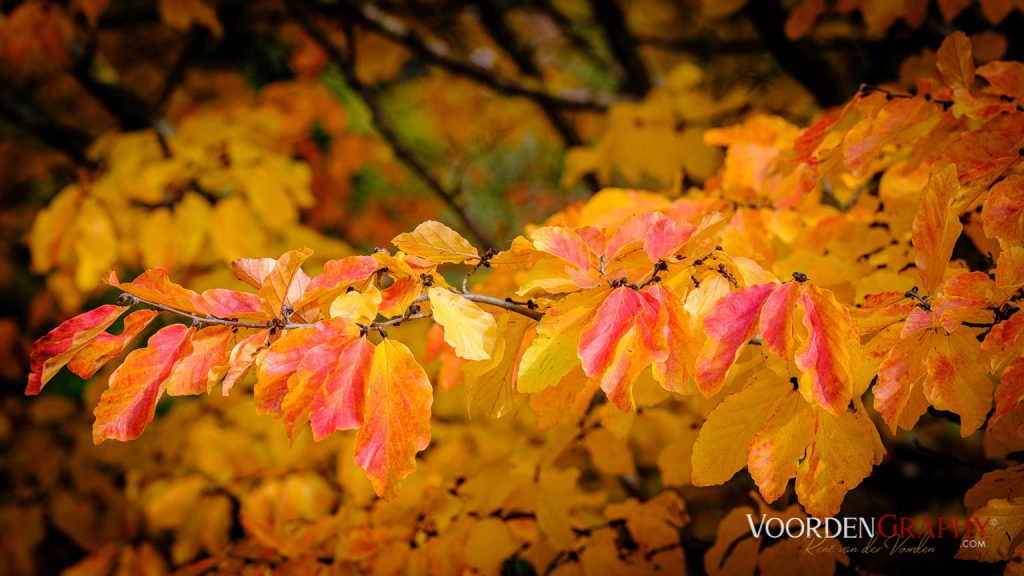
[(346, 65)]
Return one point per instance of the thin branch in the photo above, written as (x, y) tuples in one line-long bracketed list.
[(622, 44), (499, 303), (131, 300), (412, 313), (401, 150), (438, 54), (179, 68)]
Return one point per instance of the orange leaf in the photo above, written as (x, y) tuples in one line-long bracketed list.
[(776, 323), (338, 403), (955, 62), (1002, 212), (936, 227), (564, 243), (319, 366), (826, 354), (1006, 78), (224, 303), (626, 335), (899, 397), (107, 346), (673, 373), (284, 356), (397, 417), (209, 348), (129, 403), (962, 296), (958, 380), (51, 352), (1010, 392), (286, 282), (242, 357), (336, 277), (153, 285), (730, 324), (665, 237)]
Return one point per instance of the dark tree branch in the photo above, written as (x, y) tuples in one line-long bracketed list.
[(402, 151), (176, 73), (801, 58), (438, 54), (622, 44)]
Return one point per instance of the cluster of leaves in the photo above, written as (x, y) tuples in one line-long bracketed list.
[(814, 267)]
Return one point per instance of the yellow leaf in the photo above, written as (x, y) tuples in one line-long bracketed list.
[(844, 449), (611, 455), (557, 491), (236, 234), (721, 447), (437, 243), (357, 306), (490, 381), (552, 355), (467, 328), (96, 247), (490, 542), (49, 239)]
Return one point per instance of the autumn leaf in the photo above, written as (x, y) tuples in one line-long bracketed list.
[(338, 403), (955, 62), (285, 356), (553, 352), (721, 448), (564, 243), (437, 243), (1002, 535), (51, 352), (467, 328), (209, 348), (129, 402), (626, 335), (285, 283), (825, 355), (397, 421), (729, 325), (841, 455), (106, 346), (936, 227), (154, 285), (491, 382)]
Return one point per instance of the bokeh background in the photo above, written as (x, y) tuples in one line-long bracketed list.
[(187, 133)]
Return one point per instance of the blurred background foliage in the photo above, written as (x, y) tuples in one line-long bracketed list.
[(187, 133)]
